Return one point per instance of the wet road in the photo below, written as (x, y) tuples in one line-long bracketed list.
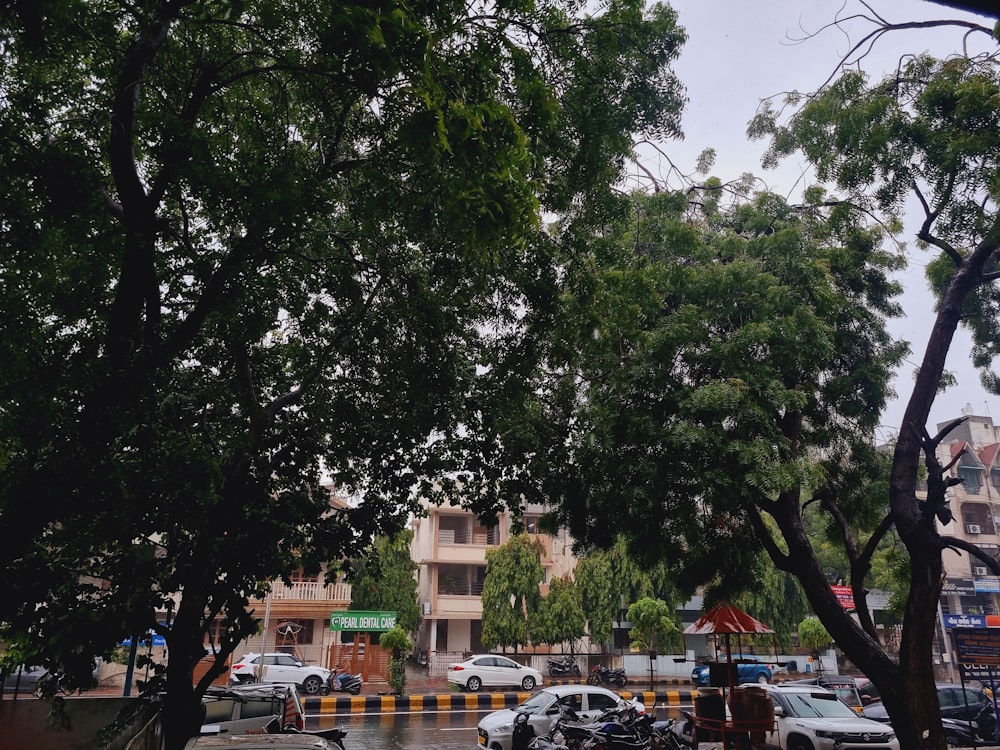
[(447, 730)]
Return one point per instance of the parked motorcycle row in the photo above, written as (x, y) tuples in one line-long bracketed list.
[(621, 728)]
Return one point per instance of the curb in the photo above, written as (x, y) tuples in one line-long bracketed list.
[(374, 704)]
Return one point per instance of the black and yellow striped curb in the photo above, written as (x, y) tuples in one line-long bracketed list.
[(373, 704)]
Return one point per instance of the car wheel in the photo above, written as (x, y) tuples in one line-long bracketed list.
[(528, 683), (799, 743), (473, 684), (762, 679), (311, 685)]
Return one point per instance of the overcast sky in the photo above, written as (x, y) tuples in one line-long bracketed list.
[(742, 51)]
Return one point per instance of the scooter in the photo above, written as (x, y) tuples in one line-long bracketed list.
[(566, 665), (342, 682), (421, 657), (601, 675), (982, 729)]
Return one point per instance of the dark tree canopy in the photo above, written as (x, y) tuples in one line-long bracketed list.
[(244, 242)]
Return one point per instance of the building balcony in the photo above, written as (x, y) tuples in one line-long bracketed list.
[(305, 599)]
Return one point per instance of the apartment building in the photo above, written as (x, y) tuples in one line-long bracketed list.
[(449, 546), (969, 588)]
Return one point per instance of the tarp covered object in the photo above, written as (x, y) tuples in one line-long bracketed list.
[(725, 618)]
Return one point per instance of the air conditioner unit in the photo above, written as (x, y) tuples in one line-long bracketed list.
[(974, 528), (980, 570), (427, 608)]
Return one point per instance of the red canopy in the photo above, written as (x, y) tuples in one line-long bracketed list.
[(725, 618)]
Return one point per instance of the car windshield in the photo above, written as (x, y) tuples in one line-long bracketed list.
[(536, 704), (812, 705)]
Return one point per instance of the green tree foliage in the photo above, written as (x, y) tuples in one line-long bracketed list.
[(927, 133), (777, 600), (399, 644), (609, 580), (730, 361), (559, 618), (246, 241), (813, 635), (384, 580), (654, 625), (510, 592)]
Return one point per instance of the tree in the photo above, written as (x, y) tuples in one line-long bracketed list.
[(384, 580), (510, 591), (608, 579), (777, 600), (245, 243), (654, 625), (813, 636), (559, 617), (929, 132), (399, 644), (729, 364)]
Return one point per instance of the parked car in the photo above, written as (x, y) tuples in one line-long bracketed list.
[(955, 701), (869, 693), (843, 685), (542, 708), (492, 670), (261, 742), (748, 669), (283, 668), (810, 716), (247, 709)]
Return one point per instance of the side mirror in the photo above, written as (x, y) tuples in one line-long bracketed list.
[(779, 711)]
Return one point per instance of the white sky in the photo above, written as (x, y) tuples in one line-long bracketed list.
[(742, 51)]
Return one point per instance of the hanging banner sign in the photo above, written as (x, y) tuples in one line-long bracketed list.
[(845, 595), (362, 620), (979, 646)]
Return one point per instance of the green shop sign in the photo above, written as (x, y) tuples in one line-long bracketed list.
[(362, 620)]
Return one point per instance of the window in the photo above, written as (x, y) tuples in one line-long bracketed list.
[(531, 524), (972, 479), (600, 702), (575, 701)]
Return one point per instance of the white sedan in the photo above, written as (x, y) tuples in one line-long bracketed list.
[(491, 670)]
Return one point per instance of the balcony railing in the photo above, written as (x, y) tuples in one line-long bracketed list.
[(466, 536), (460, 588), (312, 590)]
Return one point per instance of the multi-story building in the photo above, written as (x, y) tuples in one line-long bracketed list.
[(969, 587), (449, 546)]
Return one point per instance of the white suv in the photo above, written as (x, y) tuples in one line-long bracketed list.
[(809, 717), (279, 668)]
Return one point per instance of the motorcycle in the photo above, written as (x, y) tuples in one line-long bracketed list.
[(673, 734), (601, 675), (342, 682), (566, 665), (966, 733), (619, 728)]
